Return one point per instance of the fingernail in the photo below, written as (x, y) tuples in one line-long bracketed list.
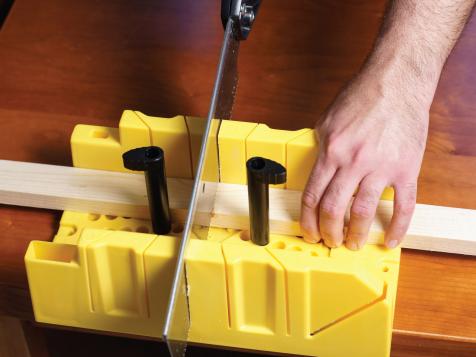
[(392, 244), (331, 244), (312, 241), (352, 245), (327, 243), (309, 237)]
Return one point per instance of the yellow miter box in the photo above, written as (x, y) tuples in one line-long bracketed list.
[(110, 274), (290, 297)]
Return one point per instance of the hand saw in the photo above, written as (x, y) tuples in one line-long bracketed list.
[(237, 17)]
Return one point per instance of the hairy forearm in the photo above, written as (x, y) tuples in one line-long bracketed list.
[(415, 40), (374, 133)]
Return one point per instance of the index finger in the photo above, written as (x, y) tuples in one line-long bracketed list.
[(316, 185)]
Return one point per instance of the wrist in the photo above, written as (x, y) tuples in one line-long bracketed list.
[(398, 74), (404, 69)]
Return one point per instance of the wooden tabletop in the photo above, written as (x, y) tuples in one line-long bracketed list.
[(65, 62)]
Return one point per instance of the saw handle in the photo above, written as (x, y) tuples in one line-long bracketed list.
[(243, 14)]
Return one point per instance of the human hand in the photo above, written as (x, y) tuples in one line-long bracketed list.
[(372, 136), (374, 133)]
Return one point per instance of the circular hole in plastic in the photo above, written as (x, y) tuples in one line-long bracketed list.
[(258, 163), (314, 254), (385, 269), (93, 216), (152, 152), (100, 134), (142, 229), (279, 245), (109, 217), (126, 217), (297, 249)]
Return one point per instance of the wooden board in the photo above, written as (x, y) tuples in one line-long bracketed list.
[(433, 228)]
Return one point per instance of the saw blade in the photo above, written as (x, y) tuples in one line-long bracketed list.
[(177, 323)]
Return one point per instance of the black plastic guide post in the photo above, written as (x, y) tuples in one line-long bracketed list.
[(151, 160), (261, 173)]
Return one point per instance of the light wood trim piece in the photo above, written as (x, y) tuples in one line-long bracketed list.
[(82, 190), (433, 228)]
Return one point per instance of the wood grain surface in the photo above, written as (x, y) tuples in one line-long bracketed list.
[(12, 339), (65, 62)]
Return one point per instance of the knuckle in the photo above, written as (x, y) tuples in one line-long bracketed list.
[(409, 190), (406, 199), (334, 191), (309, 199), (362, 157), (357, 235), (362, 210), (366, 202), (333, 149), (412, 191), (369, 194), (331, 210), (405, 208)]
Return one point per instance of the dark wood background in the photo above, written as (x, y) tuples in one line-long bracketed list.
[(66, 62)]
